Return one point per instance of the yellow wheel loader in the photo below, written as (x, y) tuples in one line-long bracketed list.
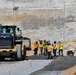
[(12, 43)]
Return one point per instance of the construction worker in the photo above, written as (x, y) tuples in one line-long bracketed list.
[(36, 46), (49, 48), (54, 48), (60, 47), (41, 47), (45, 48)]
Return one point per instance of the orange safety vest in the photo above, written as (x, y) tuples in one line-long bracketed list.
[(59, 45), (49, 48), (54, 46), (36, 45)]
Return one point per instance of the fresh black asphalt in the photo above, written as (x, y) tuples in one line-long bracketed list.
[(59, 64)]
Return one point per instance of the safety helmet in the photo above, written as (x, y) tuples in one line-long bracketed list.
[(54, 41), (59, 41), (48, 41)]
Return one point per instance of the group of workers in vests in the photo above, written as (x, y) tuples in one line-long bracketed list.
[(48, 49)]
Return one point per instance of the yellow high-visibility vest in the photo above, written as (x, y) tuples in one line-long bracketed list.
[(61, 47), (41, 45), (45, 45)]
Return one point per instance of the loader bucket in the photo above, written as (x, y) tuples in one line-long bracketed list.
[(27, 43)]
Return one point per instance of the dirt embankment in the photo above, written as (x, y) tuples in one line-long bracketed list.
[(71, 71)]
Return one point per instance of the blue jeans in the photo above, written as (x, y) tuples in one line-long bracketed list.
[(36, 51), (54, 52), (61, 52), (45, 52)]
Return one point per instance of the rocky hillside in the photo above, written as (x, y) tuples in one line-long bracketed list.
[(42, 19)]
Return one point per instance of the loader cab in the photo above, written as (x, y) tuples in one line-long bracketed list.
[(7, 30), (7, 37)]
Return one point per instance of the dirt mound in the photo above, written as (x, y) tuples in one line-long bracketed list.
[(71, 71)]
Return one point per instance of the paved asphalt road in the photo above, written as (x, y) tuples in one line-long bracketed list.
[(39, 57), (58, 65)]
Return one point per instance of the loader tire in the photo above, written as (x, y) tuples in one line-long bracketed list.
[(75, 53), (2, 58), (19, 52), (24, 55)]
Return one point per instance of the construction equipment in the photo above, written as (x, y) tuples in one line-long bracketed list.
[(12, 43), (71, 53)]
